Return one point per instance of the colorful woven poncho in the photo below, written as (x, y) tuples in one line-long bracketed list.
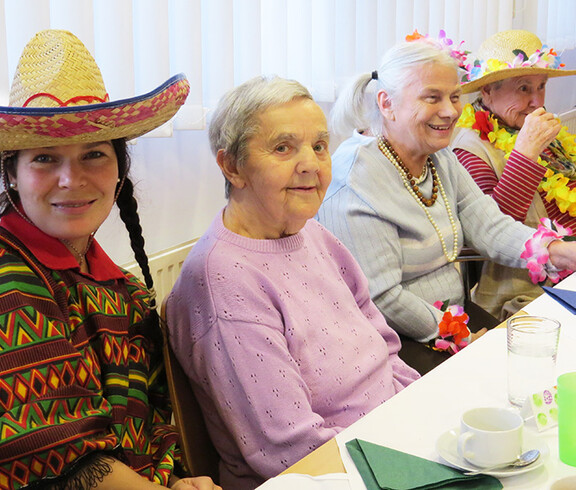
[(79, 372)]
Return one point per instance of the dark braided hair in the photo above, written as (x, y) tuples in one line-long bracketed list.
[(128, 207), (8, 163)]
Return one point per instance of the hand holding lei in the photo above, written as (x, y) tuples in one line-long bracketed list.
[(454, 334), (536, 251)]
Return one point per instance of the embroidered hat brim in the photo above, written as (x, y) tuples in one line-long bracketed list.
[(39, 127), (58, 98)]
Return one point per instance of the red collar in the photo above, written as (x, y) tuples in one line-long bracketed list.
[(52, 253)]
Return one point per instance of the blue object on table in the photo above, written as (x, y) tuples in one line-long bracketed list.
[(566, 298)]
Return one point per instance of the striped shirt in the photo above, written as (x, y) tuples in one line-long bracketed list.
[(517, 186)]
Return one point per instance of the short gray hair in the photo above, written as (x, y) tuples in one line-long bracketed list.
[(235, 118), (357, 108)]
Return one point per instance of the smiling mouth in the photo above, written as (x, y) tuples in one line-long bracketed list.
[(441, 128), (73, 204)]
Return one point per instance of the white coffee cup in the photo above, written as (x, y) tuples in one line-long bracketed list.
[(490, 436)]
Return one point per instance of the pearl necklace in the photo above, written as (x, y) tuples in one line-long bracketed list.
[(405, 175), (386, 148), (424, 176)]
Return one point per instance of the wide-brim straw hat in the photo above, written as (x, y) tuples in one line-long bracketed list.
[(58, 98), (498, 59)]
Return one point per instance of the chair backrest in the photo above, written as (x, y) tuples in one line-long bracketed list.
[(470, 263), (198, 453)]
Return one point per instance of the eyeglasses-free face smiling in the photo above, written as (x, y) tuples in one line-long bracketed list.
[(67, 191), (425, 112), (284, 178)]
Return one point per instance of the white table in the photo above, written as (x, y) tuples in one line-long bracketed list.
[(415, 418)]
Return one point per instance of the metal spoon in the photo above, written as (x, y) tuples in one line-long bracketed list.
[(523, 460)]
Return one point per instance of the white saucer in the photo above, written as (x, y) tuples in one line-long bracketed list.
[(446, 445)]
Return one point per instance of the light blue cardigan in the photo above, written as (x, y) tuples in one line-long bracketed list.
[(368, 208)]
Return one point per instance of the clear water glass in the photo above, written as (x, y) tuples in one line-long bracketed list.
[(532, 350)]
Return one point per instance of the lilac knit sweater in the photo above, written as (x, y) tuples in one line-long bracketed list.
[(282, 344)]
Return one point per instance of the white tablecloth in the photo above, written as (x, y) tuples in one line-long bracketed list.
[(414, 419)]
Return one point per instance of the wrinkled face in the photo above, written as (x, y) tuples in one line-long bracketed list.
[(422, 117), (67, 191), (284, 178), (515, 98)]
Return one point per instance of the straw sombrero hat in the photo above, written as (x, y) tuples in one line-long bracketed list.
[(509, 54), (58, 97)]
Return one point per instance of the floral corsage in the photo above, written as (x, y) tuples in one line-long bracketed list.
[(454, 334), (536, 251)]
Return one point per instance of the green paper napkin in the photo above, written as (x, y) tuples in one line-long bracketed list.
[(383, 468)]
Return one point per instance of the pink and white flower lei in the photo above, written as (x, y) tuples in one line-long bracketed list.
[(536, 252)]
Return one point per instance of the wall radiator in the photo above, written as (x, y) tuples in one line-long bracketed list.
[(165, 267), (568, 119)]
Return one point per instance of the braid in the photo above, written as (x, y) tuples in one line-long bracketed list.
[(128, 207), (7, 195), (129, 214)]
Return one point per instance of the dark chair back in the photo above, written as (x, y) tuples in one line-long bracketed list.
[(198, 453)]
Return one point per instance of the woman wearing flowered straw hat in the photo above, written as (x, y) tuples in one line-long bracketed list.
[(83, 400), (516, 151), (403, 204)]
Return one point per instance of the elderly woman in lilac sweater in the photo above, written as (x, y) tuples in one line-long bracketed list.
[(271, 317)]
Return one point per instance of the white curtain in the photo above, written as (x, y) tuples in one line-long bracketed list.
[(220, 43)]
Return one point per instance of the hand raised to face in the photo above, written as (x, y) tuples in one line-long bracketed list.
[(539, 130)]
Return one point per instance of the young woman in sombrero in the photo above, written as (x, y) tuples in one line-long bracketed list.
[(83, 401), (516, 151)]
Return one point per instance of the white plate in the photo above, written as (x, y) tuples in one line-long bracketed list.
[(447, 447)]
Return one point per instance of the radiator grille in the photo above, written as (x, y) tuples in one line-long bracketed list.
[(569, 120), (165, 267)]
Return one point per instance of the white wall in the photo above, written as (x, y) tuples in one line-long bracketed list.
[(561, 91), (179, 189)]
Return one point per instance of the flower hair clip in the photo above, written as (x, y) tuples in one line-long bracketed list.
[(444, 43), (454, 334)]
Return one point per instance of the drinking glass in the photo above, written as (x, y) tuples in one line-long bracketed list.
[(532, 349)]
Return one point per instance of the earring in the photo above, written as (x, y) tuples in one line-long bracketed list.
[(13, 186)]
